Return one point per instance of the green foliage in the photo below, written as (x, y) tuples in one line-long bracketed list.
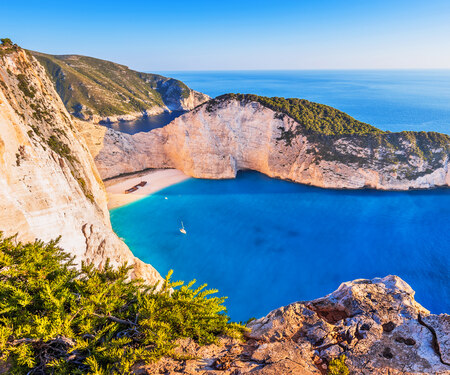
[(6, 42), (36, 130), (28, 90), (59, 147), (337, 366), (55, 319), (85, 189), (90, 86), (63, 150), (40, 113), (6, 47), (312, 117)]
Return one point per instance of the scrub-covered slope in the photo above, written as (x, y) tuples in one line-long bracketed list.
[(95, 89)]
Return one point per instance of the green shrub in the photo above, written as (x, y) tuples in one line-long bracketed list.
[(85, 189), (59, 147), (337, 366), (28, 91), (312, 117), (55, 319), (6, 42)]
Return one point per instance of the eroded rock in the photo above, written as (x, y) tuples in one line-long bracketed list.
[(216, 141), (49, 184), (376, 323)]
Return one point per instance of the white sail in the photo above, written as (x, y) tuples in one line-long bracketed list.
[(182, 230)]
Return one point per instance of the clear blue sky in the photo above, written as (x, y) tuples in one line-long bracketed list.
[(245, 34)]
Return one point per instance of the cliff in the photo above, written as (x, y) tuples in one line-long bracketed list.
[(304, 142), (49, 185), (96, 90), (376, 324)]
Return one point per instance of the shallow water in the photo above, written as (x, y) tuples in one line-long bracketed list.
[(265, 243)]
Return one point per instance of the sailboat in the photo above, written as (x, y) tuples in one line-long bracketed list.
[(182, 230)]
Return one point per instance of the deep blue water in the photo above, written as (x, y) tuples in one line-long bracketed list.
[(391, 100), (265, 243), (144, 124)]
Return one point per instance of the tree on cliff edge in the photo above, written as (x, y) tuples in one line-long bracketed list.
[(6, 42)]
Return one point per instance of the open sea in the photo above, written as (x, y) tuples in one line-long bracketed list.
[(265, 243)]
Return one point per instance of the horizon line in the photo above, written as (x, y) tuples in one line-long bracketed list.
[(296, 70)]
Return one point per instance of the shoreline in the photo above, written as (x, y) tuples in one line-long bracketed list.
[(157, 180)]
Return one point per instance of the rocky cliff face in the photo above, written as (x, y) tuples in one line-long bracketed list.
[(49, 185), (221, 137), (99, 90), (376, 324)]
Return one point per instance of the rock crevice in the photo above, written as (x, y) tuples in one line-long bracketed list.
[(379, 334)]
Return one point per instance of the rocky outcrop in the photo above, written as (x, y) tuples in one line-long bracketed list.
[(98, 90), (219, 138), (376, 324), (49, 185)]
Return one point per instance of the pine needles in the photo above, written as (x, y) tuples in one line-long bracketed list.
[(57, 320)]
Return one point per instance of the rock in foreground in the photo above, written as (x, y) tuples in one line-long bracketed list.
[(376, 323)]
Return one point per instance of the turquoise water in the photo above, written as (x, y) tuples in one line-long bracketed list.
[(265, 243)]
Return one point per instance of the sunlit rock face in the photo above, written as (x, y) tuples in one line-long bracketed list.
[(216, 140), (49, 184), (376, 324)]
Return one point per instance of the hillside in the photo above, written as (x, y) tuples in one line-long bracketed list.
[(291, 139), (94, 89)]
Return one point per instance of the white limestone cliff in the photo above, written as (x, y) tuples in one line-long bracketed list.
[(49, 184), (216, 141)]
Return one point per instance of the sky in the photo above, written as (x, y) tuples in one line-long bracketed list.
[(169, 35)]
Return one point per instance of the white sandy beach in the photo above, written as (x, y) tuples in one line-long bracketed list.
[(156, 180)]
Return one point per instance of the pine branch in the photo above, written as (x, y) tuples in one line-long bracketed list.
[(114, 319)]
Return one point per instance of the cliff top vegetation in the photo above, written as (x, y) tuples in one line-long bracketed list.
[(313, 117), (324, 123)]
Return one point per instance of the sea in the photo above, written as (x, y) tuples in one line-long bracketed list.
[(143, 124), (265, 243)]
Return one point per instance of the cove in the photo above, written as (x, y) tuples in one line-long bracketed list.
[(265, 243)]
